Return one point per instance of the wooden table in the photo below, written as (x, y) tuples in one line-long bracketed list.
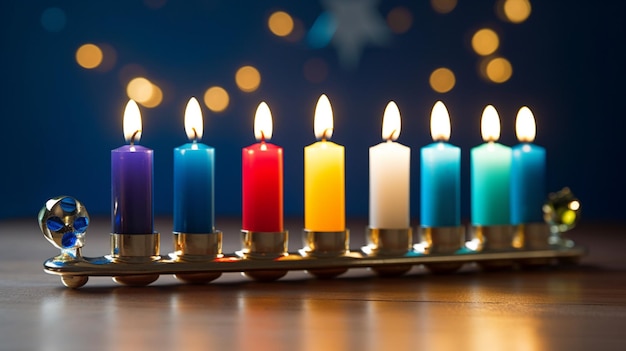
[(579, 307)]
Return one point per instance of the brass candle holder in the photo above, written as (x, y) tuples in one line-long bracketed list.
[(319, 244), (135, 249), (264, 246), (441, 241), (495, 238), (198, 258), (197, 247), (388, 243)]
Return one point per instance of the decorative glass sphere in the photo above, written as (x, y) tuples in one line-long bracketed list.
[(562, 210), (64, 221)]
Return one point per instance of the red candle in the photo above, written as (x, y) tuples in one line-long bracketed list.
[(262, 173)]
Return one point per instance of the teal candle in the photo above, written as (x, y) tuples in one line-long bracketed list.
[(440, 175), (490, 174), (194, 178), (528, 189)]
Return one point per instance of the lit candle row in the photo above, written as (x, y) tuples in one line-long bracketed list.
[(507, 185)]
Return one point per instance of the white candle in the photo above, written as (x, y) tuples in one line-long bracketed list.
[(389, 176)]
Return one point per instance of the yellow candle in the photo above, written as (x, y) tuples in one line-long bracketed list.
[(324, 176)]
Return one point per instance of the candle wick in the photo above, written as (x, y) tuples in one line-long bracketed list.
[(262, 136), (195, 134), (324, 133), (132, 138), (390, 137)]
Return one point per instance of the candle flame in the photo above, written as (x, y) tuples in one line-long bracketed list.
[(490, 124), (193, 120), (525, 127), (323, 122), (440, 122), (391, 122), (132, 122), (263, 126)]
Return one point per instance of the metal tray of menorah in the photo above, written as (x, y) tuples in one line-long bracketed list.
[(135, 259)]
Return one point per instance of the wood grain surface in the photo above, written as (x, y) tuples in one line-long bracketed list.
[(578, 307)]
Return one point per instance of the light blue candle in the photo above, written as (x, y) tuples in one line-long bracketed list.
[(490, 174), (528, 189), (440, 175), (194, 179)]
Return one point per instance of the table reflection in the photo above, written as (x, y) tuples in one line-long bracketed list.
[(468, 311)]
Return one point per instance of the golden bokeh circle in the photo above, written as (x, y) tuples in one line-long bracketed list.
[(248, 79), (140, 89), (517, 11), (442, 80), (89, 56), (216, 99), (499, 70), (280, 23), (155, 98), (485, 41)]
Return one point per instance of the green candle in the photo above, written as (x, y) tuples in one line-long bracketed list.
[(490, 175)]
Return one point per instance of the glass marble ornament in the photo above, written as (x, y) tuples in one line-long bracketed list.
[(561, 212), (63, 221)]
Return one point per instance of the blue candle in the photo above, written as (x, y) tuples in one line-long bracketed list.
[(490, 174), (440, 175), (528, 189), (194, 178), (132, 180)]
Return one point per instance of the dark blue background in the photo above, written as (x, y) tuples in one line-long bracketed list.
[(59, 121)]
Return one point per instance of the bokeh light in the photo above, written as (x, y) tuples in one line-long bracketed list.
[(89, 56), (498, 70), (515, 11), (155, 99), (280, 23), (315, 70), (53, 19), (139, 89), (216, 99), (144, 92), (485, 42), (442, 80), (248, 79), (443, 6), (399, 19)]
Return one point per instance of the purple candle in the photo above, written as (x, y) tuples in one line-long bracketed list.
[(131, 180)]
